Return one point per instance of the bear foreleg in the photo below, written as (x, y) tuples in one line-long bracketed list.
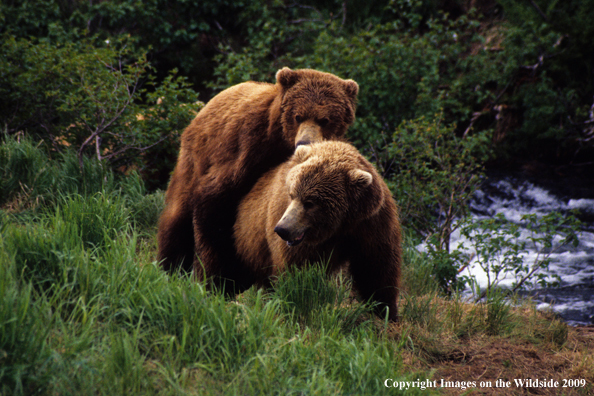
[(376, 274)]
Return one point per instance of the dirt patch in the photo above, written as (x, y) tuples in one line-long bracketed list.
[(497, 361)]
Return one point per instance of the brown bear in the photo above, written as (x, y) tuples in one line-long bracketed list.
[(240, 134), (325, 203)]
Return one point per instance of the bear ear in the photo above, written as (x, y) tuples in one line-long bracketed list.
[(360, 177), (302, 152), (351, 88), (286, 77)]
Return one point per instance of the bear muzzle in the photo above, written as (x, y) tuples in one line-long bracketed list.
[(292, 238), (309, 132)]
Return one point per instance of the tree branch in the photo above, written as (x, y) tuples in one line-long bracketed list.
[(537, 8), (102, 126)]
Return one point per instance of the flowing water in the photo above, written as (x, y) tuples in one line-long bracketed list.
[(573, 299)]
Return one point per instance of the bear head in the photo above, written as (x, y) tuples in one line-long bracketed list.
[(330, 187), (315, 106)]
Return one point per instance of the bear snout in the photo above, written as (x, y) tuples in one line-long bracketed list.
[(309, 132), (292, 238), (282, 232)]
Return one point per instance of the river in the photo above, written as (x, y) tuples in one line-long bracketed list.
[(514, 196)]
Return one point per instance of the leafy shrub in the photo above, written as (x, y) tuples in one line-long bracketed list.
[(510, 77), (403, 72), (520, 71), (95, 99), (179, 34), (432, 174), (556, 92)]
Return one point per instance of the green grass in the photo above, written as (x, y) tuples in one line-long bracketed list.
[(95, 315)]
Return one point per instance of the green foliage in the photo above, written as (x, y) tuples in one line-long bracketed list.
[(92, 200), (404, 75), (89, 312), (445, 266), (145, 208), (497, 313), (555, 82), (418, 273), (179, 34), (403, 72), (24, 172), (275, 34), (433, 173), (126, 364), (95, 99), (519, 71), (421, 311), (512, 78), (43, 254)]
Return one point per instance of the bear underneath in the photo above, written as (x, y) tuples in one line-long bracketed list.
[(327, 201), (240, 134)]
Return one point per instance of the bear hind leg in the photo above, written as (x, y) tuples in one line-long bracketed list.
[(176, 241), (216, 261)]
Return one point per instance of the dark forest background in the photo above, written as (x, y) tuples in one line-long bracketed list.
[(119, 80)]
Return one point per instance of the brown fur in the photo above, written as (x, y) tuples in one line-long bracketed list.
[(239, 135), (328, 202)]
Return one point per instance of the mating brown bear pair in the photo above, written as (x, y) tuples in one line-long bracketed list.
[(238, 136)]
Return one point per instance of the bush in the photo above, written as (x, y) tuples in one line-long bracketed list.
[(509, 77), (95, 99), (413, 66), (555, 83), (432, 174), (178, 34)]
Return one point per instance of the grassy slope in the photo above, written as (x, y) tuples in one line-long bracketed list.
[(84, 309)]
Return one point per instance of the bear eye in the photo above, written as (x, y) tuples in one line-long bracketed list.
[(323, 122), (298, 119), (307, 205)]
